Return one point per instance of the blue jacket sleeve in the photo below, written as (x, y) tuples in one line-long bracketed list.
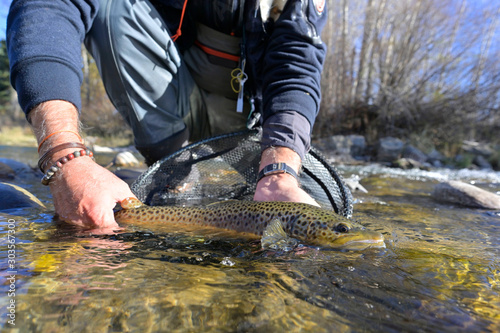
[(44, 40), (294, 61)]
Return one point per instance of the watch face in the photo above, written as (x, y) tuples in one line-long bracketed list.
[(276, 168)]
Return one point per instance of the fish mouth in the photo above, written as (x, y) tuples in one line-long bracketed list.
[(360, 241), (362, 244)]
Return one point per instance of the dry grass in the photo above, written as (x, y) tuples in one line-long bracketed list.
[(23, 137), (17, 136)]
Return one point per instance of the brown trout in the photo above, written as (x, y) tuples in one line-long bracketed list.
[(275, 221)]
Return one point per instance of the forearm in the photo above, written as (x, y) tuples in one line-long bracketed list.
[(54, 123), (51, 117)]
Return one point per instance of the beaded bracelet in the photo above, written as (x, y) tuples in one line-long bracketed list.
[(63, 160), (45, 159)]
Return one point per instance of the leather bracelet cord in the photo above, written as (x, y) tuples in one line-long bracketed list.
[(63, 160), (44, 160), (57, 132), (276, 168)]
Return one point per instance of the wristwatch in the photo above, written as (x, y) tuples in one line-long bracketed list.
[(276, 168)]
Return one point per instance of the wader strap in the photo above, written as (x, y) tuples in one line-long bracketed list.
[(217, 53), (178, 33)]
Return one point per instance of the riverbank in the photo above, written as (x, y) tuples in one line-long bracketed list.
[(17, 136), (397, 153), (23, 137), (345, 149)]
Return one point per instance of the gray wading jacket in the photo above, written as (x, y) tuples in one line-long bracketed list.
[(284, 58)]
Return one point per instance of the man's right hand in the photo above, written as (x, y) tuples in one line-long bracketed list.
[(85, 194)]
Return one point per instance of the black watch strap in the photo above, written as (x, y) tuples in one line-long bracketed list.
[(276, 168)]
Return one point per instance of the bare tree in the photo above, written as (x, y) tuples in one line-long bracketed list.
[(397, 66)]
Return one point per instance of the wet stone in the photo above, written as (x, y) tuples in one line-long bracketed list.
[(465, 195), (389, 149)]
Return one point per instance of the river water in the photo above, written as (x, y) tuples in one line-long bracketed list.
[(440, 271)]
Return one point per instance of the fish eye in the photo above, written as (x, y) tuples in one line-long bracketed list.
[(341, 227)]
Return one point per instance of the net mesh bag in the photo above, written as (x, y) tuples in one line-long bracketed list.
[(226, 167)]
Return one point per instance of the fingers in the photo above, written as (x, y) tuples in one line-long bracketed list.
[(86, 193)]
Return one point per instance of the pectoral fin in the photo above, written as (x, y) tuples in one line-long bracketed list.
[(275, 238)]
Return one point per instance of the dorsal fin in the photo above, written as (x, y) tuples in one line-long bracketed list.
[(219, 203)]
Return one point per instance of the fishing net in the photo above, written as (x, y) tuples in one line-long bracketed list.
[(226, 167)]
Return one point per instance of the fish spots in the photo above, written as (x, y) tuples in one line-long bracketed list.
[(301, 221)]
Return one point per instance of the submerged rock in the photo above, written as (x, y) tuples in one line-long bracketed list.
[(465, 195), (13, 196)]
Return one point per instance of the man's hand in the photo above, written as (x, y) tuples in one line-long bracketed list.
[(85, 194), (283, 186)]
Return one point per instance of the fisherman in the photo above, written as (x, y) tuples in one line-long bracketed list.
[(176, 70)]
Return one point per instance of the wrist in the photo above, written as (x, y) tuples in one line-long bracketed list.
[(280, 155), (56, 167), (276, 169), (57, 152)]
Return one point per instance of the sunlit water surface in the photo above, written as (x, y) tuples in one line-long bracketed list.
[(439, 272)]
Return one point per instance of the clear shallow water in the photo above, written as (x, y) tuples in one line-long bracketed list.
[(439, 272)]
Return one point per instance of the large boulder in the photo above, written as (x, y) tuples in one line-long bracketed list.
[(350, 145), (482, 162), (389, 149), (477, 148), (435, 158), (13, 196), (415, 154), (463, 194)]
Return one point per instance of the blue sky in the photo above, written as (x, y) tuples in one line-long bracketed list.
[(4, 9)]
